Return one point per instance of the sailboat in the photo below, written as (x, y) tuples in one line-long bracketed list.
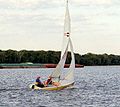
[(68, 79)]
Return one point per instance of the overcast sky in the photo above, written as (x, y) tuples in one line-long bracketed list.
[(38, 25)]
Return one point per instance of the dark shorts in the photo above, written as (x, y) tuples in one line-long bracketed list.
[(40, 85)]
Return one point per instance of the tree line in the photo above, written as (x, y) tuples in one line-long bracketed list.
[(13, 56)]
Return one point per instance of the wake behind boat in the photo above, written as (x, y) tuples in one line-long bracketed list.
[(68, 79)]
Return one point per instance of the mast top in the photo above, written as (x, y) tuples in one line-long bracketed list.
[(67, 1)]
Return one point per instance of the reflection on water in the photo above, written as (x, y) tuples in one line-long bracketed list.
[(94, 87)]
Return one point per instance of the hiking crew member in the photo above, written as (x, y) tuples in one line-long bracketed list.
[(49, 81), (39, 83)]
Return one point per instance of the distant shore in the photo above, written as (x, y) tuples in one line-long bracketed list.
[(16, 66), (53, 57)]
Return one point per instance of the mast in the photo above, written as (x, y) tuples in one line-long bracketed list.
[(67, 2)]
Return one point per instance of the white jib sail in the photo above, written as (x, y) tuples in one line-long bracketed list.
[(70, 75), (57, 72)]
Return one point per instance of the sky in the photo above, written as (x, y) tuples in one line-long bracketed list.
[(39, 25)]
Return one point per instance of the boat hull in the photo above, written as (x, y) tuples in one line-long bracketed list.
[(51, 88)]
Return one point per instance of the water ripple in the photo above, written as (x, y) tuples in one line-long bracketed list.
[(94, 87)]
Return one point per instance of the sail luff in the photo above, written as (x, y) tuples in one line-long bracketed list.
[(72, 65)]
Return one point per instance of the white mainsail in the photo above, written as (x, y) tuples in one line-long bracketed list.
[(67, 29), (67, 24), (69, 78)]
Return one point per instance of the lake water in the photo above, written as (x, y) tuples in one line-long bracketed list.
[(94, 87)]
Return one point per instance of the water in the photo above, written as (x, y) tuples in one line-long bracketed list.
[(94, 87)]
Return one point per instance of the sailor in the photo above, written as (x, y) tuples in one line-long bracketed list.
[(39, 83), (56, 83), (49, 80)]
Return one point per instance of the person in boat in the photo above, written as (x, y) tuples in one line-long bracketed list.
[(39, 83), (55, 83), (48, 81)]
